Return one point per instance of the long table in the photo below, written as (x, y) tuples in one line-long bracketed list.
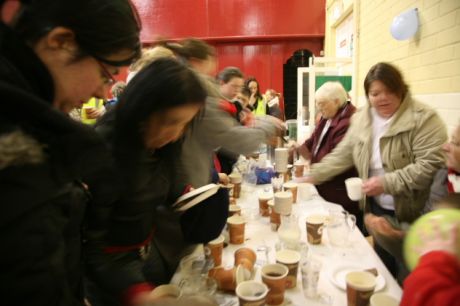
[(258, 233)]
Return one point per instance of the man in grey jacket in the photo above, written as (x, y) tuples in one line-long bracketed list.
[(217, 128)]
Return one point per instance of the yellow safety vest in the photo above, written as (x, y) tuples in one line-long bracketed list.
[(261, 109), (93, 102)]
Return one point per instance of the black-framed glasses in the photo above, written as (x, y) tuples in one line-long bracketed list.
[(107, 76)]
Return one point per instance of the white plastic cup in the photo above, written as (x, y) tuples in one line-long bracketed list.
[(354, 188)]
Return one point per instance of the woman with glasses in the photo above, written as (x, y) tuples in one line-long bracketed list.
[(54, 55)]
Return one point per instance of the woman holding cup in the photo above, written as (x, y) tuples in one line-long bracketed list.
[(331, 100), (395, 144)]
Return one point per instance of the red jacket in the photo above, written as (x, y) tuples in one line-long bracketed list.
[(334, 190), (434, 282)]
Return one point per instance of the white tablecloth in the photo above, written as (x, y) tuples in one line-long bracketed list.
[(258, 233)]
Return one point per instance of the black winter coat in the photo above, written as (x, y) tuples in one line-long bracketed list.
[(44, 155), (143, 219)]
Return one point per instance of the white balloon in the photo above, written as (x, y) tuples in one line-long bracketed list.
[(405, 25)]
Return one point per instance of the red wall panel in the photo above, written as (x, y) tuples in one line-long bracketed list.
[(258, 36), (235, 18)]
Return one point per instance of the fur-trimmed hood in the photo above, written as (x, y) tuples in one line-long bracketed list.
[(18, 148)]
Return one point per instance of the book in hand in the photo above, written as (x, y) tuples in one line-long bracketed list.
[(195, 196)]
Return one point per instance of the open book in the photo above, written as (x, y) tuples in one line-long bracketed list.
[(195, 196)]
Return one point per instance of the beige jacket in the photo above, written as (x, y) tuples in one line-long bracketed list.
[(410, 150)]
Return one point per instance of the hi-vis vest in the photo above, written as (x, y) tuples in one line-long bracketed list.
[(93, 102), (261, 109)]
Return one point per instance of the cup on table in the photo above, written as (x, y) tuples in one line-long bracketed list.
[(225, 278), (383, 299), (245, 257), (263, 204), (291, 260), (234, 210), (275, 218), (236, 179), (215, 248), (236, 225), (281, 160), (274, 276), (199, 284), (315, 225), (360, 287), (292, 187), (310, 270), (251, 293), (299, 168), (166, 291), (354, 187), (283, 202)]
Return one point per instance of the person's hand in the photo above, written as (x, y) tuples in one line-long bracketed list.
[(223, 178), (437, 241), (279, 124), (94, 113), (380, 225), (373, 186)]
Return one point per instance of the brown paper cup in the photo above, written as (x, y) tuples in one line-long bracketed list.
[(236, 179), (226, 279), (315, 225), (216, 247), (290, 259), (275, 218), (236, 225), (252, 293), (263, 205), (234, 210), (298, 170), (274, 276), (360, 287), (292, 187)]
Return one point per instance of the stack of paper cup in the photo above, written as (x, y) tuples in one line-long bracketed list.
[(281, 159), (283, 203)]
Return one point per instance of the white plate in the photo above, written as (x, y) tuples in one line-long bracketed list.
[(337, 276), (195, 196)]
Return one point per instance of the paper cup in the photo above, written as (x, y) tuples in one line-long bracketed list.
[(275, 218), (360, 287), (263, 204), (283, 203), (383, 299), (354, 187), (236, 225), (290, 259), (315, 224), (234, 210), (304, 191), (215, 248), (251, 293), (274, 276), (292, 187)]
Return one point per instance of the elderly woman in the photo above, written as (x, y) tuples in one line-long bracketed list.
[(331, 101), (395, 144)]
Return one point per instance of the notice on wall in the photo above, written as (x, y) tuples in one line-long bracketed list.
[(344, 38)]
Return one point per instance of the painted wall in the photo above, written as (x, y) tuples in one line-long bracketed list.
[(257, 36), (430, 61)]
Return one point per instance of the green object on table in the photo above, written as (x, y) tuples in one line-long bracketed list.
[(445, 218), (344, 79)]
